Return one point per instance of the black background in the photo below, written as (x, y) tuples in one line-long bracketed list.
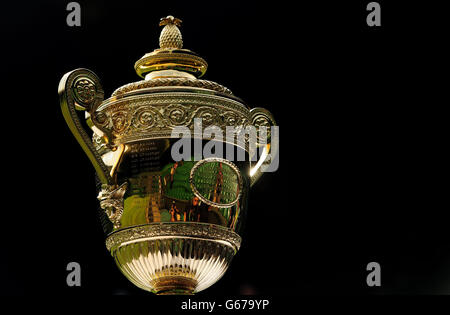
[(359, 177)]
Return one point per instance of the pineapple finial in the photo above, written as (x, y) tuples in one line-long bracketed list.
[(170, 37)]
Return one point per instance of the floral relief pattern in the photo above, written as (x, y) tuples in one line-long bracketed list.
[(178, 114), (85, 91), (131, 120), (119, 121), (262, 121)]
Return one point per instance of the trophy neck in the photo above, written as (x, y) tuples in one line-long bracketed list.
[(169, 73)]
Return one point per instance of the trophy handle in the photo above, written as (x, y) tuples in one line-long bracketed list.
[(80, 89), (268, 141)]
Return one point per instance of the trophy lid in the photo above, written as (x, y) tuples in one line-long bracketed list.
[(171, 55), (171, 65)]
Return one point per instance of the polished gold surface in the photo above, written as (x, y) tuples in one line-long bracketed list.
[(155, 189), (174, 265), (172, 226), (177, 59), (170, 55)]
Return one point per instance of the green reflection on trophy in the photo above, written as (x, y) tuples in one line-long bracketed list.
[(171, 225)]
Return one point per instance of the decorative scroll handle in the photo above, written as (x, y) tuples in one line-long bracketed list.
[(267, 140), (80, 89)]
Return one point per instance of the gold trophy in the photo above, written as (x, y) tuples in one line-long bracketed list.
[(172, 225)]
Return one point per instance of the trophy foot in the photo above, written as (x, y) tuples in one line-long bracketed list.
[(175, 286), (173, 258)]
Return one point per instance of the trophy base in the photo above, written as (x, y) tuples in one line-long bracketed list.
[(174, 258), (174, 286)]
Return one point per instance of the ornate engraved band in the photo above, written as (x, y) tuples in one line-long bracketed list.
[(156, 115), (205, 84), (191, 229)]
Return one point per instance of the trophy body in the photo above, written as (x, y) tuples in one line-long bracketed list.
[(172, 224)]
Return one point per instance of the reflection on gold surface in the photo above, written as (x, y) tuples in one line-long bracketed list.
[(163, 191)]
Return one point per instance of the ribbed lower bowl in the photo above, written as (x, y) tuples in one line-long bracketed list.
[(175, 264)]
